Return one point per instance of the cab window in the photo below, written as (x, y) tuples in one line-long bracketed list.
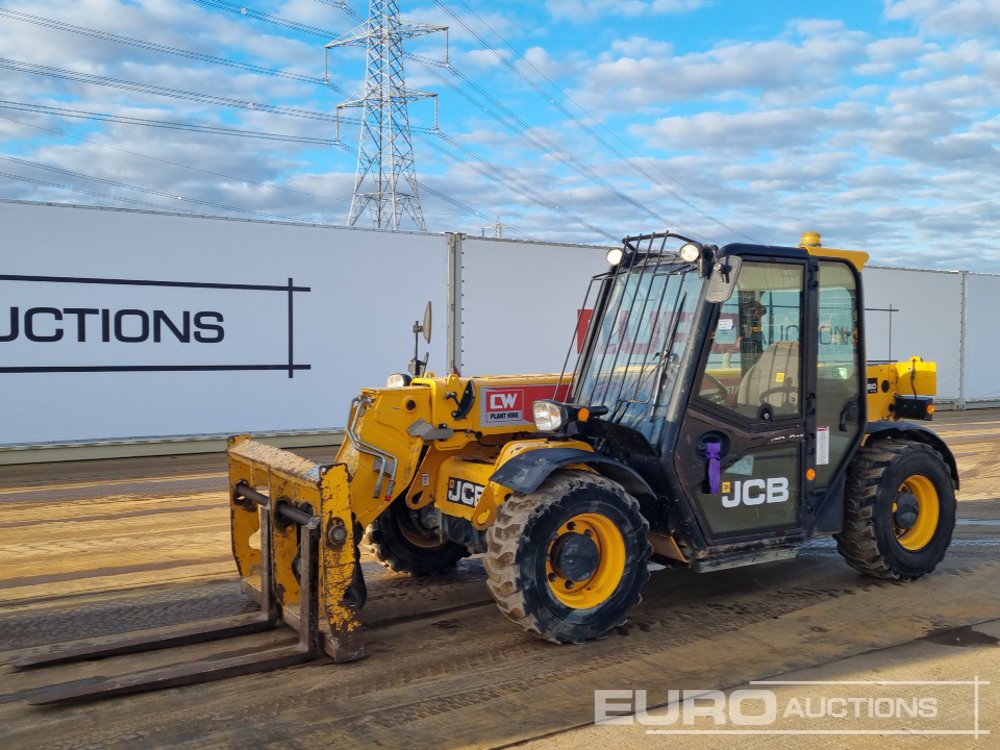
[(754, 367), (838, 361)]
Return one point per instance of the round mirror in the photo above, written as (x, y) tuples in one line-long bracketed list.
[(427, 322)]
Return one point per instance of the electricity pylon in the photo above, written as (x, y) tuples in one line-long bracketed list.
[(385, 184)]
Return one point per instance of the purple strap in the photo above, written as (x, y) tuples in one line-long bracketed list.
[(713, 452)]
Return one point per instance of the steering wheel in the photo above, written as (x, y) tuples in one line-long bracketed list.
[(715, 391), (787, 390)]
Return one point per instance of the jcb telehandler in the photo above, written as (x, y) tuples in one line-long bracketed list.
[(718, 412)]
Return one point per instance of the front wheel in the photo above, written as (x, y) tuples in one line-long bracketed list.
[(568, 561), (402, 541), (900, 510)]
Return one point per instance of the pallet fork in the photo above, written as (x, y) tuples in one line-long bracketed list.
[(305, 574)]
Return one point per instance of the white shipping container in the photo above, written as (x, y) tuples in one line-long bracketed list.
[(926, 320), (121, 324)]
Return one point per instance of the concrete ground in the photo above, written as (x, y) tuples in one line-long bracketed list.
[(101, 547)]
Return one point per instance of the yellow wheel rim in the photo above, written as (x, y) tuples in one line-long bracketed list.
[(610, 567), (920, 534)]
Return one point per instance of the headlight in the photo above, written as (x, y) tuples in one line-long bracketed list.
[(549, 416), (615, 256), (690, 251), (398, 380)]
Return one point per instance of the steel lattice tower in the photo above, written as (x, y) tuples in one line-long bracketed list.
[(385, 184)]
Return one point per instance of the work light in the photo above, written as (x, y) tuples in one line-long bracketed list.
[(690, 251), (398, 380), (549, 415)]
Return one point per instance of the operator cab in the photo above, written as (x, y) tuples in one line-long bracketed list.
[(732, 378)]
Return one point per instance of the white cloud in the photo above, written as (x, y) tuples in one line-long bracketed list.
[(752, 131), (653, 76), (538, 60), (484, 58), (972, 17), (580, 10)]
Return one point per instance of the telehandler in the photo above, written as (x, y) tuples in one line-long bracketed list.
[(715, 410)]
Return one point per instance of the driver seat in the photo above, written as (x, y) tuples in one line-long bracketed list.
[(773, 380)]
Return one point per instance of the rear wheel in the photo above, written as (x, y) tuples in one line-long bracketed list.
[(403, 541), (568, 561), (900, 510)]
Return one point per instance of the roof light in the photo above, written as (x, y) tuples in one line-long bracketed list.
[(690, 251), (615, 256)]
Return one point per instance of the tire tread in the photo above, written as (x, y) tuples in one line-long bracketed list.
[(514, 517), (858, 541)]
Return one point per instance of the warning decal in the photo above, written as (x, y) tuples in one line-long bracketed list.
[(822, 446)]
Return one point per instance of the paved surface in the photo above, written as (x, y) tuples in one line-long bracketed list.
[(109, 546)]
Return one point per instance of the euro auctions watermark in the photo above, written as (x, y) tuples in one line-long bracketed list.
[(803, 707)]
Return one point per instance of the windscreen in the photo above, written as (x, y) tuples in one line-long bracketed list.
[(637, 339)]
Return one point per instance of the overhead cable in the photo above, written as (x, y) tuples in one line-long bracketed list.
[(127, 186), (581, 123), (269, 186)]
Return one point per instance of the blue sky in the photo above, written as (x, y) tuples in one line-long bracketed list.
[(874, 122)]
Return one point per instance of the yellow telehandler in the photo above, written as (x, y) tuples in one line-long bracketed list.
[(715, 410)]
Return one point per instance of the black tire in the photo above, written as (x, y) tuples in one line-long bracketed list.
[(883, 480), (521, 558), (402, 543)]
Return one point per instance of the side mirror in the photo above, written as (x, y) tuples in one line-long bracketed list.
[(427, 322), (722, 282), (417, 365)]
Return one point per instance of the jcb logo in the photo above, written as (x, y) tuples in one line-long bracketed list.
[(464, 492), (754, 492)]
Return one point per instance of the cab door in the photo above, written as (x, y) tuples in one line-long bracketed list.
[(741, 453)]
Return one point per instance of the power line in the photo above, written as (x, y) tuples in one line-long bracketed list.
[(105, 36), (235, 8), (436, 193), (174, 163), (505, 178), (217, 130), (148, 88), (193, 127), (517, 125), (73, 113), (127, 186), (211, 99), (485, 168), (342, 5), (106, 196), (216, 100), (468, 209), (566, 111), (524, 129), (259, 16)]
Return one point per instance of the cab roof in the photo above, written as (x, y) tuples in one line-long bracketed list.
[(811, 245)]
